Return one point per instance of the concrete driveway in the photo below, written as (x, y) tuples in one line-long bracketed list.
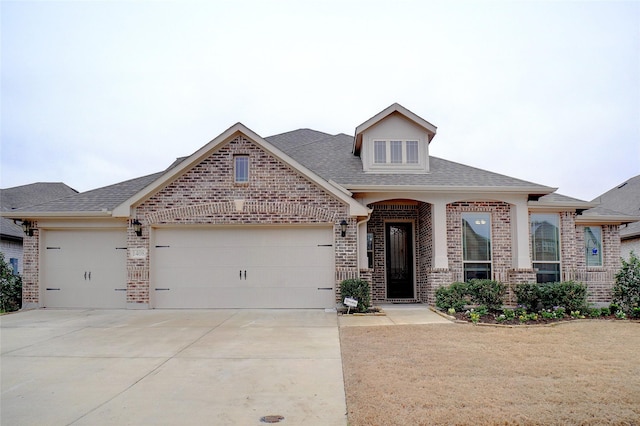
[(204, 367)]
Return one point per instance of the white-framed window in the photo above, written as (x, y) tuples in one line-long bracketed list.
[(412, 152), (476, 245), (593, 245), (241, 168), (545, 246), (395, 152), (380, 152)]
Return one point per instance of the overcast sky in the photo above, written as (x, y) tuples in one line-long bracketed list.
[(94, 93)]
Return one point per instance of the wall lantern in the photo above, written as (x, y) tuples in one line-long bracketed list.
[(27, 227), (137, 227), (343, 228)]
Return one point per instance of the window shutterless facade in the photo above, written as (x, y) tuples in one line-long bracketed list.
[(241, 168), (545, 247), (476, 245), (593, 245)]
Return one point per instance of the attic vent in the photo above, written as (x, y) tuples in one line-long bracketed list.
[(622, 185)]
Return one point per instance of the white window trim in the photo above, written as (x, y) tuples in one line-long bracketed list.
[(558, 262), (388, 166), (600, 254), (235, 171), (487, 262)]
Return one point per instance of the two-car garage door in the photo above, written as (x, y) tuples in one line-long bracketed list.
[(243, 267)]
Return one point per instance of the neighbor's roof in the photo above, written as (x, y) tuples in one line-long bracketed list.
[(94, 202), (28, 195), (624, 198)]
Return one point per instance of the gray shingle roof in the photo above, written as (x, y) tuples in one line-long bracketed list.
[(624, 198), (28, 195), (101, 199), (331, 157)]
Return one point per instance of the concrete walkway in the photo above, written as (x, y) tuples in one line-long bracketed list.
[(171, 367), (397, 314)]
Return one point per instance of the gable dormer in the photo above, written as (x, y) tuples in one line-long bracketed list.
[(394, 141)]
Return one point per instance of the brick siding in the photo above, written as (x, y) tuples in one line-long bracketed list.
[(207, 194)]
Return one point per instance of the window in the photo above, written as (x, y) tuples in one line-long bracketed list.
[(395, 152), (412, 152), (14, 265), (241, 168), (593, 245), (476, 245), (380, 152), (370, 250), (545, 247)]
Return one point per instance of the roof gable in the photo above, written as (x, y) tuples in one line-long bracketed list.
[(179, 169), (393, 109)]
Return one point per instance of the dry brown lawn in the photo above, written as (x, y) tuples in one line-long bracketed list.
[(576, 373)]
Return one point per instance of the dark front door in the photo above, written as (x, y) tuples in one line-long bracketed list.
[(399, 238)]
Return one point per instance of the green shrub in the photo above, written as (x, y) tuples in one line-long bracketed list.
[(570, 294), (485, 293), (509, 314), (626, 290), (357, 289), (453, 296), (605, 312), (594, 312), (10, 288), (528, 296), (488, 293), (537, 297)]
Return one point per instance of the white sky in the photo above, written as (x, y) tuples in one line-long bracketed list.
[(94, 93)]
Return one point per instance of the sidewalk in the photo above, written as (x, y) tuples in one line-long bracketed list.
[(395, 314)]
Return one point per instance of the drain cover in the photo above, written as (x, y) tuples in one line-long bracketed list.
[(272, 419)]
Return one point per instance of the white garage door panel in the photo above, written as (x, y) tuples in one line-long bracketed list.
[(243, 268), (84, 269)]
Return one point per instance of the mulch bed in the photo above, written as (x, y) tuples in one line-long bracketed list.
[(491, 319)]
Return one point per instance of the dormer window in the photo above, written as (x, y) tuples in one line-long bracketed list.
[(394, 141), (395, 152)]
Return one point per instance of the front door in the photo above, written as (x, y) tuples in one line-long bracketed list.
[(399, 237)]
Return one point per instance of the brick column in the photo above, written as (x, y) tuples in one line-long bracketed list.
[(31, 270)]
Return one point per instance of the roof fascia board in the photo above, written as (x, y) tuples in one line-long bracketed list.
[(606, 219), (426, 188), (124, 209), (390, 110), (23, 215), (569, 205)]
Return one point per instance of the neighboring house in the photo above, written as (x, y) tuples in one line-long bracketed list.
[(625, 198), (11, 233), (278, 222)]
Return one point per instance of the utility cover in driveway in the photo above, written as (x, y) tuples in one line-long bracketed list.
[(243, 267)]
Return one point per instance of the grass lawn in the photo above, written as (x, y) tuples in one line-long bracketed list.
[(574, 373)]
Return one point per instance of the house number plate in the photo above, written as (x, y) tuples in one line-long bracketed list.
[(137, 253)]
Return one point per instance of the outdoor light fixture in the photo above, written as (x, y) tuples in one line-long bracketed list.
[(343, 228), (137, 227), (27, 227)]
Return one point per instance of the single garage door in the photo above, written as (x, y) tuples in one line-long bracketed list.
[(84, 269), (243, 267)]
